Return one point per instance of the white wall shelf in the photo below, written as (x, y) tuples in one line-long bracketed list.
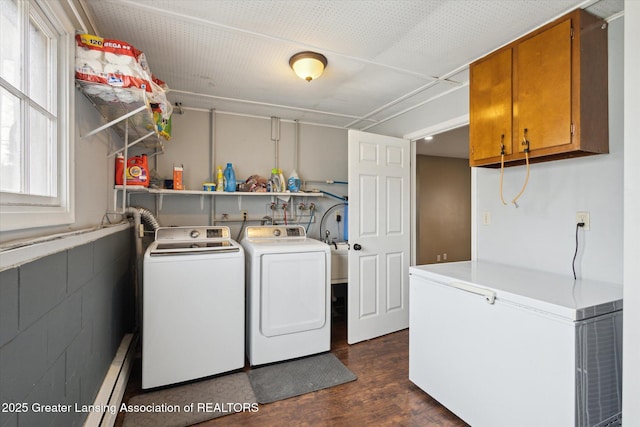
[(137, 189), (129, 114)]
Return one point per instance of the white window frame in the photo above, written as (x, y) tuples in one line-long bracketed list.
[(22, 211)]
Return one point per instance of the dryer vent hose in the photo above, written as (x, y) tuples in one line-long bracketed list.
[(144, 215), (148, 217)]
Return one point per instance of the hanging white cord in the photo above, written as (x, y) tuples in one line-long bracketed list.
[(526, 180), (502, 169)]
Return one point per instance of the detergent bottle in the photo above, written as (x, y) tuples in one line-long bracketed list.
[(283, 183), (119, 174), (220, 180), (136, 170), (293, 183), (274, 181), (229, 178)]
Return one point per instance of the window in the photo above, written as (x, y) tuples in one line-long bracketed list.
[(35, 152)]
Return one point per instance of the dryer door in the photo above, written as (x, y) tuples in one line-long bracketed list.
[(294, 292)]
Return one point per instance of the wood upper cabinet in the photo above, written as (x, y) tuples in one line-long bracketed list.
[(490, 107), (546, 91)]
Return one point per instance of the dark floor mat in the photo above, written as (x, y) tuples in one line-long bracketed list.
[(296, 377), (191, 403)]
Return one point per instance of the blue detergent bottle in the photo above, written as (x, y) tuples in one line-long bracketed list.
[(229, 178), (293, 183)]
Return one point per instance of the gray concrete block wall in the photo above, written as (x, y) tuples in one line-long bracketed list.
[(62, 318)]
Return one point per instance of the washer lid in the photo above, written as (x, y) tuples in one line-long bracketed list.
[(186, 240)]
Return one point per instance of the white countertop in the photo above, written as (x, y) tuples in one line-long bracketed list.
[(553, 293)]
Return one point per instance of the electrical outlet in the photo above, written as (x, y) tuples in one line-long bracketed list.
[(584, 218), (244, 214), (486, 218)]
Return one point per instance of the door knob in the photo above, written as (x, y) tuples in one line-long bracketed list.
[(357, 247)]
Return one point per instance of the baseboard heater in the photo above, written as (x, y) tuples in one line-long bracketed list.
[(114, 384)]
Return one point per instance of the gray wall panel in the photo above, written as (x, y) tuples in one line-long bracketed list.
[(80, 267), (63, 326), (8, 305), (62, 319), (24, 362), (43, 285)]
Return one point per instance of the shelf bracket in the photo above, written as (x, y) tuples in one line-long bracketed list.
[(113, 122), (131, 144)]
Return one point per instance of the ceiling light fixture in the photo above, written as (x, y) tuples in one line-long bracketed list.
[(308, 65)]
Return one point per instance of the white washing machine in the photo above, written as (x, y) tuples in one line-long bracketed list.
[(193, 305), (288, 294)]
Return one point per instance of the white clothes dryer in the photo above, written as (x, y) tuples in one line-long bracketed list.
[(193, 305), (288, 278)]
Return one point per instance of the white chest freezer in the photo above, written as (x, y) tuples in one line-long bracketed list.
[(506, 346)]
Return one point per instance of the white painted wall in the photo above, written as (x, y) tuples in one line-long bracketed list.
[(631, 348), (540, 233)]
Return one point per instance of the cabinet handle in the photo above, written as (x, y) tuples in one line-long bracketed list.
[(489, 295), (525, 141)]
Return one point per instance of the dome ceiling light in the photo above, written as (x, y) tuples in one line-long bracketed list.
[(308, 65)]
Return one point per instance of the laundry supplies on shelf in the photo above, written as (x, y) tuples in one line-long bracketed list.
[(293, 183), (283, 182), (116, 77), (220, 180), (229, 178), (137, 170), (274, 185), (178, 179)]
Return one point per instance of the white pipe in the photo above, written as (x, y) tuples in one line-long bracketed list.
[(275, 136), (137, 270), (295, 145), (212, 163), (138, 214)]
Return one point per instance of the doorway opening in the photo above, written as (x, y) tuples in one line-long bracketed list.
[(443, 197)]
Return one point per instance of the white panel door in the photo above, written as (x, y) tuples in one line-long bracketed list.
[(379, 235)]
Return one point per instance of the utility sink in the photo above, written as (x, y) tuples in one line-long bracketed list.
[(339, 262)]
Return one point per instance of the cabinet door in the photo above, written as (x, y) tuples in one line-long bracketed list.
[(542, 86), (490, 104)]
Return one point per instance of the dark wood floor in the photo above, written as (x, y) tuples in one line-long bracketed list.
[(381, 396)]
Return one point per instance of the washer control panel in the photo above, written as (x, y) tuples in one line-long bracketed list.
[(193, 233)]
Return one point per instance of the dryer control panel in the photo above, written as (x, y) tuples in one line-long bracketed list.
[(275, 232)]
